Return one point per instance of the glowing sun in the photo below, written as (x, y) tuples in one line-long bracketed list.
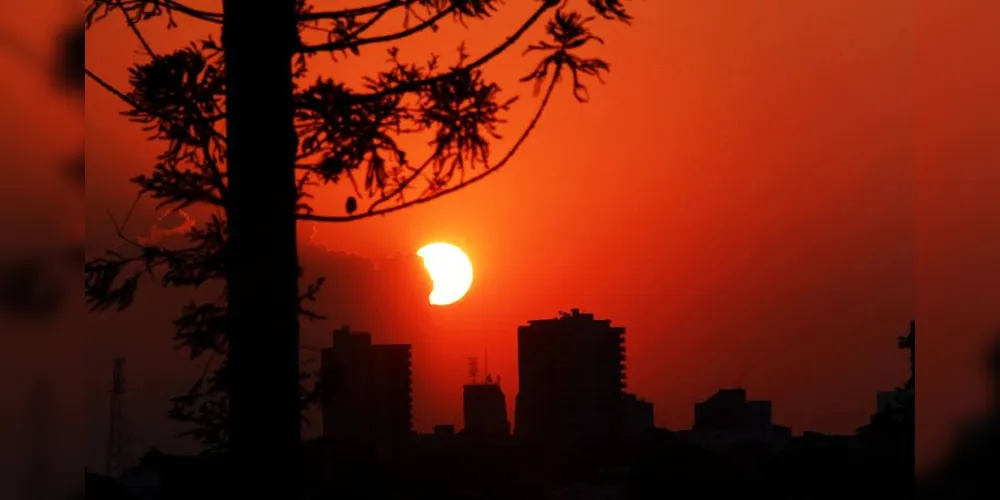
[(450, 271)]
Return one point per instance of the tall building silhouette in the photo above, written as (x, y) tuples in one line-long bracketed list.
[(571, 373), (484, 408), (367, 396)]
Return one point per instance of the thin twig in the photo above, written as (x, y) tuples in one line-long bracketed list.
[(358, 11), (351, 41), (211, 17), (403, 185), (135, 29), (407, 87), (120, 228), (110, 88), (365, 27)]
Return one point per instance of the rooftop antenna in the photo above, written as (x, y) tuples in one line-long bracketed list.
[(473, 369), (116, 455), (490, 380)]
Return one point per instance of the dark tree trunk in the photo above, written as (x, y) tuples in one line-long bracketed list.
[(262, 265)]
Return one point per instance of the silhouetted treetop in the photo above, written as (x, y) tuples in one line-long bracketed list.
[(348, 132)]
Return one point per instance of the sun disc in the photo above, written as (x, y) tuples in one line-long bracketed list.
[(450, 271)]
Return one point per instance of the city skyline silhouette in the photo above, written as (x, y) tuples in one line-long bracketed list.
[(259, 141), (364, 431), (695, 296)]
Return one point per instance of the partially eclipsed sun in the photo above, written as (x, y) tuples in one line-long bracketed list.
[(450, 270)]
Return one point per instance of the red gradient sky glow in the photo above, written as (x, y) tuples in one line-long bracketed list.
[(740, 195)]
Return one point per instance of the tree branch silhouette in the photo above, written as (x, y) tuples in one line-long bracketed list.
[(137, 11), (110, 88), (437, 194), (355, 12), (135, 29), (352, 41), (416, 84), (211, 17)]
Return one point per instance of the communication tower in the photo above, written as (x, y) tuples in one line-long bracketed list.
[(117, 436)]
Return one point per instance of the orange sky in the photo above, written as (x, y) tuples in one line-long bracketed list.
[(758, 194)]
